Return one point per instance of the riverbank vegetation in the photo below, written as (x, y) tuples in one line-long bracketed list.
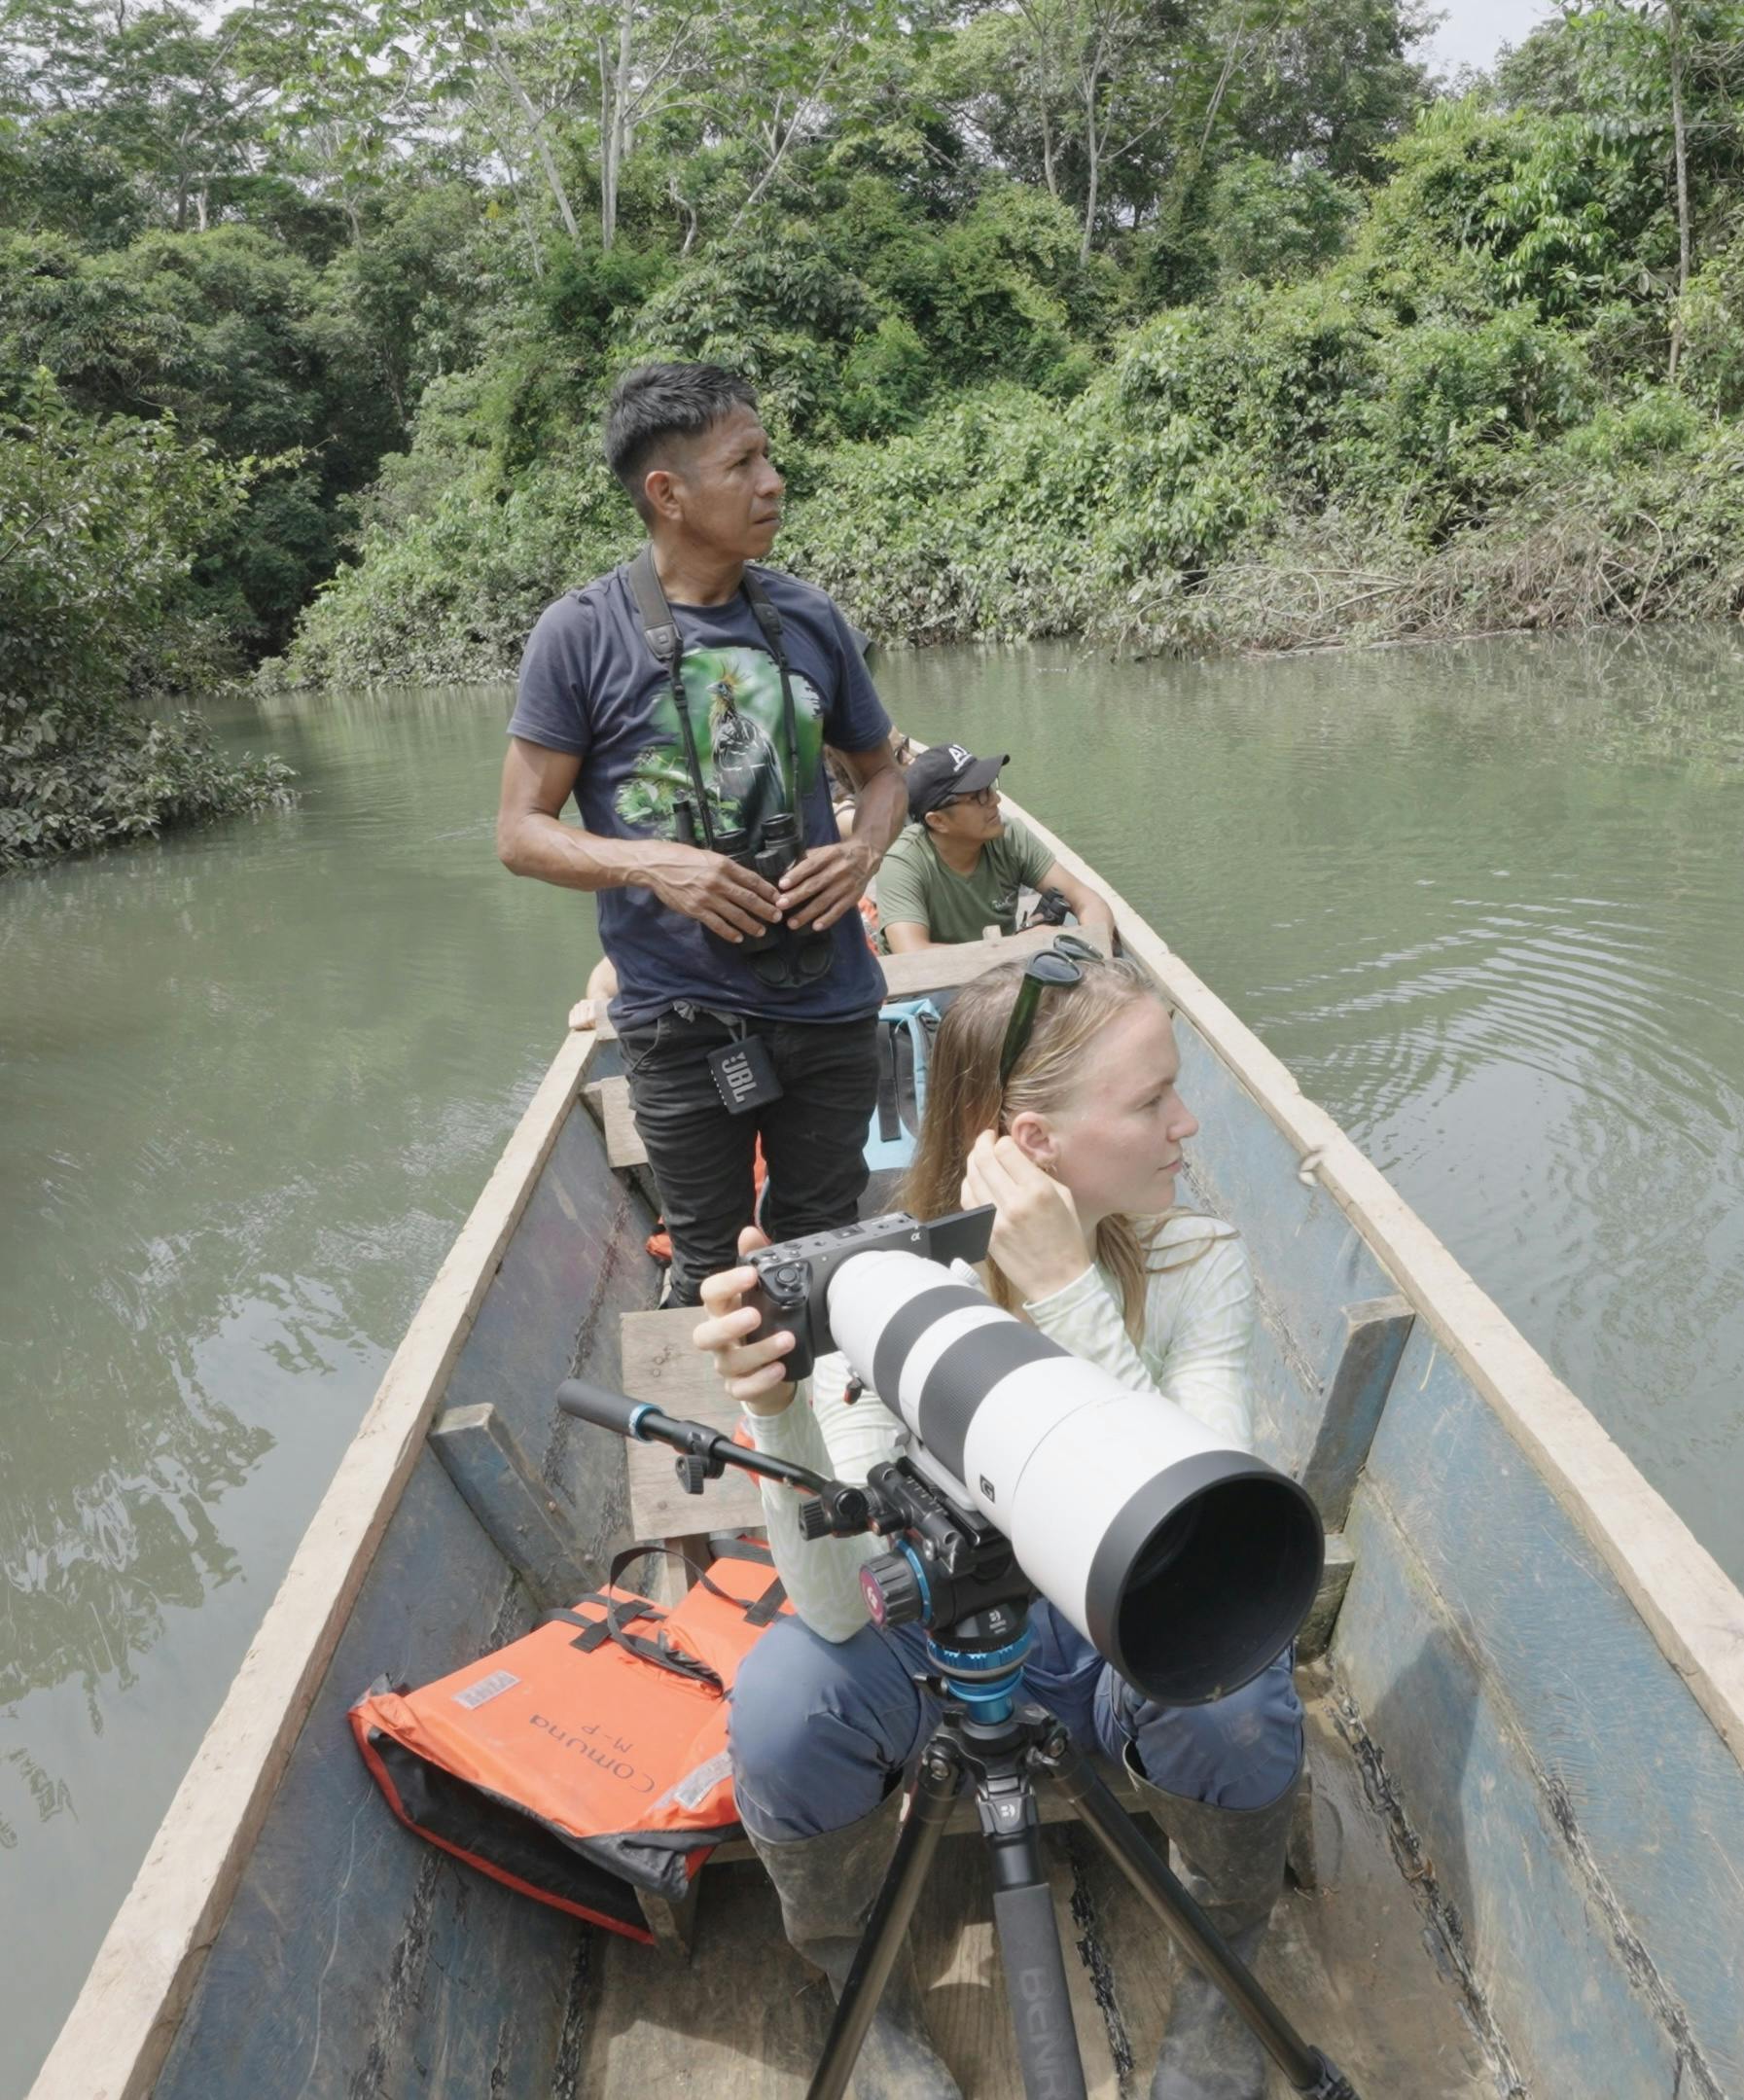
[(1177, 323), (101, 522)]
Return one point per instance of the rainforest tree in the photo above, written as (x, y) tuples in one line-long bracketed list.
[(1184, 322)]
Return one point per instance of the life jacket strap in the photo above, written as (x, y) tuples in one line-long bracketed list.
[(763, 1611)]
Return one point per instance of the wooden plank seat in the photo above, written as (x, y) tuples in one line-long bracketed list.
[(905, 977), (660, 1364)]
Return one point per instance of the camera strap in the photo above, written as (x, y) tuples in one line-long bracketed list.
[(661, 630)]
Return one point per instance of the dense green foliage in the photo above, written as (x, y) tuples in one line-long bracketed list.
[(101, 519), (1177, 322)]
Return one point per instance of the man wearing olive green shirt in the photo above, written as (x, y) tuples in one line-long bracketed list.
[(958, 867)]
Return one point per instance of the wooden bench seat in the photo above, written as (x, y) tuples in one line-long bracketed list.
[(661, 1365)]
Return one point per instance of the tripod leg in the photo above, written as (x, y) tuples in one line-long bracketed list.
[(1034, 1969), (1307, 2069), (935, 1791)]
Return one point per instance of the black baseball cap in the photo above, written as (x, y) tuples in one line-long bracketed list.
[(947, 769)]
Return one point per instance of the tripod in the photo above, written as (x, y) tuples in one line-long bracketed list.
[(954, 1571), (995, 1740)]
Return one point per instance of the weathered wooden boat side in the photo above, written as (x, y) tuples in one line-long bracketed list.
[(343, 1946), (1541, 1675), (422, 1963), (1545, 1663)]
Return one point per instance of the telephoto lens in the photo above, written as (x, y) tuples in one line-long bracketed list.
[(1190, 1565)]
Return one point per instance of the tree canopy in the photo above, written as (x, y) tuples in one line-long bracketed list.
[(1182, 321)]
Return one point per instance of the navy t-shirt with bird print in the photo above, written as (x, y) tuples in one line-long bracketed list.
[(591, 685)]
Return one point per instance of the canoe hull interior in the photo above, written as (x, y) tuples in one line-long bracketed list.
[(356, 1958), (1580, 1820), (1583, 1821), (1538, 1686)]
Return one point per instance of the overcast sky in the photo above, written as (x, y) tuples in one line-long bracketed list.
[(1474, 29)]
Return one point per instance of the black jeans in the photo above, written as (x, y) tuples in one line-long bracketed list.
[(813, 1138)]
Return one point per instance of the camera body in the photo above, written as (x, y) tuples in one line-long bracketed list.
[(1050, 908), (793, 1280)]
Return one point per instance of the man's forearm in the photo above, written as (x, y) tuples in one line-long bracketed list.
[(881, 810), (551, 851), (1097, 913)]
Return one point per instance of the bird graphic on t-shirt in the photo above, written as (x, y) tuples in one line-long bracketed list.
[(747, 766)]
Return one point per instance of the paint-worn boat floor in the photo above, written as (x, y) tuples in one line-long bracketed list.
[(1350, 1963)]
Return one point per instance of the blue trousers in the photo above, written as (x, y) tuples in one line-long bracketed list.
[(819, 1729)]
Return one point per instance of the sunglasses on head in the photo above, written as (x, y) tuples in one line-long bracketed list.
[(1061, 964)]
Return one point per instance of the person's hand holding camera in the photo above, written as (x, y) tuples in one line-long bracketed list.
[(752, 1372), (1037, 1238), (731, 901)]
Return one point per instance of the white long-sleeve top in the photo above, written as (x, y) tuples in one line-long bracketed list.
[(1193, 1350)]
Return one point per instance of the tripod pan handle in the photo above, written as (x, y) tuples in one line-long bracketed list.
[(599, 1404)]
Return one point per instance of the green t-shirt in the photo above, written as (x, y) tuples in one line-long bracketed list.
[(915, 887)]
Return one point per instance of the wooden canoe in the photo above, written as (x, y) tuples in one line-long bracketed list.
[(1527, 1719)]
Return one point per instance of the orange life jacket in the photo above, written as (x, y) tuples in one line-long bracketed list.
[(588, 1758)]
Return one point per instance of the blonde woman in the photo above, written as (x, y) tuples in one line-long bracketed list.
[(1053, 1095)]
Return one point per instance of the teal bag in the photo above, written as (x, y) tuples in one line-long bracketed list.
[(906, 1031)]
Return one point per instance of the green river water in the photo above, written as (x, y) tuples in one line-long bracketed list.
[(1487, 902)]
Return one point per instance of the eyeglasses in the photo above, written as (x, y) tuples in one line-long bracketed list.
[(982, 797), (1061, 964)]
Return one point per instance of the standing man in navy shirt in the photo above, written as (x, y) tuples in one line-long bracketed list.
[(685, 702)]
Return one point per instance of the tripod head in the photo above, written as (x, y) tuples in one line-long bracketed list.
[(948, 1568), (955, 1574), (952, 1570)]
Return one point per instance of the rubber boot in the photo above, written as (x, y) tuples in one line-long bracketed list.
[(1235, 1870), (827, 1886)]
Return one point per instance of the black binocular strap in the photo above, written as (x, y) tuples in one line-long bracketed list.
[(661, 630), (769, 620), (664, 638)]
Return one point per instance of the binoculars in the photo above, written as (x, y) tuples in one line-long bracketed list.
[(777, 852)]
